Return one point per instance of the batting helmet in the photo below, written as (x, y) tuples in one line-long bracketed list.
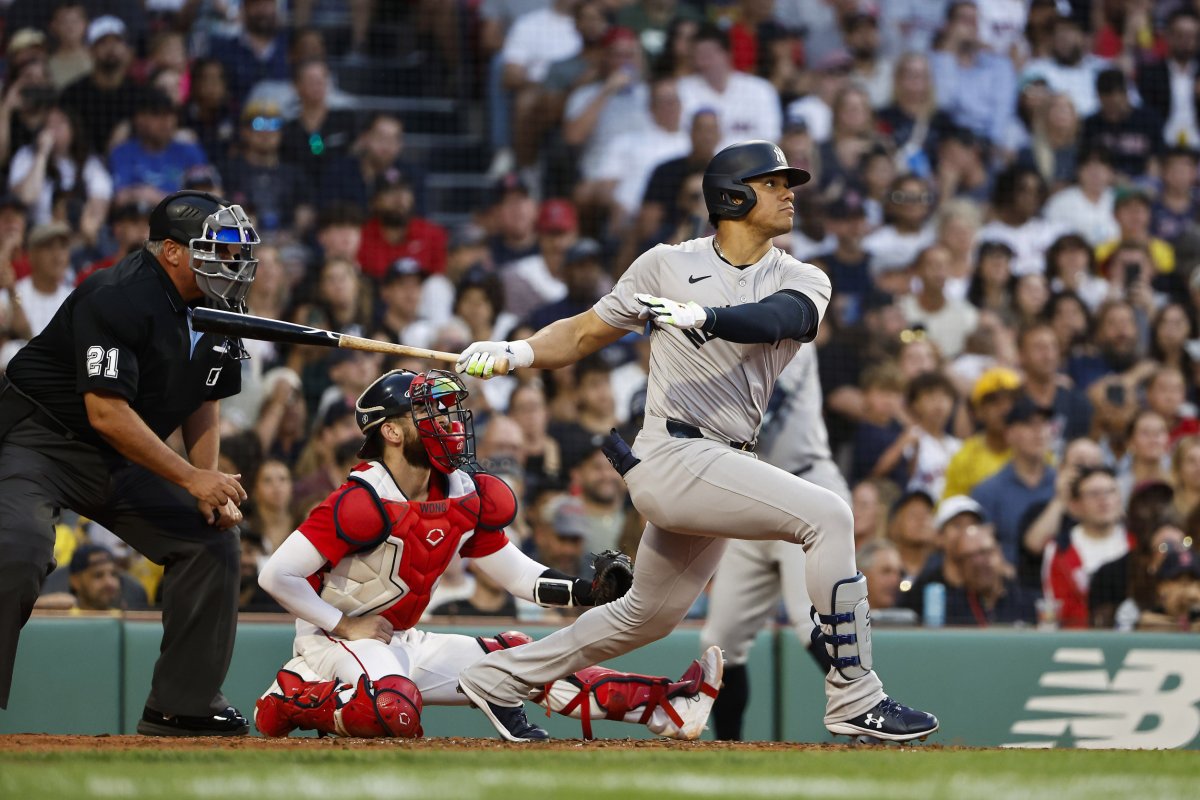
[(727, 173), (220, 239)]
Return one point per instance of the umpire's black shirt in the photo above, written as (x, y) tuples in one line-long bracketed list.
[(125, 330)]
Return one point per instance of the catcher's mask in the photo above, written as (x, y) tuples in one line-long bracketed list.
[(446, 428), (433, 400)]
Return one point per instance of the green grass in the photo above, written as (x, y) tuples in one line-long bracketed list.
[(629, 774)]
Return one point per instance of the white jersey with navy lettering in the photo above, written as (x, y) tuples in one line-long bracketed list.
[(711, 383)]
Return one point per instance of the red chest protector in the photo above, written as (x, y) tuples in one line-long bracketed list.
[(395, 550)]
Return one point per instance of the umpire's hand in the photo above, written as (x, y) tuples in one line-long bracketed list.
[(224, 518), (214, 491)]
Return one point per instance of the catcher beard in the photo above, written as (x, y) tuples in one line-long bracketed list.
[(359, 571)]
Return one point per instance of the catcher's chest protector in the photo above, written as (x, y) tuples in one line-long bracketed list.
[(395, 571)]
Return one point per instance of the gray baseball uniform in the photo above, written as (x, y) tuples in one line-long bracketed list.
[(753, 575), (697, 493)]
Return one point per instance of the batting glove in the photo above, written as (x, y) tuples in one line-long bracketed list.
[(667, 312), (479, 360)]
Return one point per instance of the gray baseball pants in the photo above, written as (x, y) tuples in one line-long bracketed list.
[(696, 494)]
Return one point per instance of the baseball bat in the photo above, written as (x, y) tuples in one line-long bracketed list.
[(245, 326)]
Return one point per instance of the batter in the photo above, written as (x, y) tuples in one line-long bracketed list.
[(692, 472)]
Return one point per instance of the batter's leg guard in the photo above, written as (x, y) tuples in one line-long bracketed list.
[(847, 631), (675, 709), (388, 707)]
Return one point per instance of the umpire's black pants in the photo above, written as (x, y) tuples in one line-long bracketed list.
[(42, 472)]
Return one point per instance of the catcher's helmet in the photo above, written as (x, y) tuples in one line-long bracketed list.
[(727, 173), (220, 239), (433, 400)]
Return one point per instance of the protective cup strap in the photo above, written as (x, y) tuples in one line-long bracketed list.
[(847, 631)]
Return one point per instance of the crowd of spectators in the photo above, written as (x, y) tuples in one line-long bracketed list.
[(1004, 197)]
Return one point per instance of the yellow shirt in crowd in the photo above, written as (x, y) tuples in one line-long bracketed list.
[(972, 464)]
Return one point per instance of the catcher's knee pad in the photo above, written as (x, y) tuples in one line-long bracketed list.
[(847, 631), (503, 641), (389, 706)]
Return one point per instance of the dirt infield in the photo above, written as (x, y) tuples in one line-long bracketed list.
[(42, 743)]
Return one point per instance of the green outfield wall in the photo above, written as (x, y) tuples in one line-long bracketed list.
[(1013, 688)]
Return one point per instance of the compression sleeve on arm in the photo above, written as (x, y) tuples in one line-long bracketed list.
[(787, 314), (512, 569), (285, 577)]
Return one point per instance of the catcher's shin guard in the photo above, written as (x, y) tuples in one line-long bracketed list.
[(503, 641), (678, 709), (387, 707), (847, 631)]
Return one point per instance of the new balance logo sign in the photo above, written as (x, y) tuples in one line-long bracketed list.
[(874, 720), (1148, 701)]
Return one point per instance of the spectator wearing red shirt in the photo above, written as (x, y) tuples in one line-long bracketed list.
[(746, 33), (1099, 538), (393, 232), (14, 218)]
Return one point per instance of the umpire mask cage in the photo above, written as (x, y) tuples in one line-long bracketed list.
[(446, 428), (222, 257), (726, 193)]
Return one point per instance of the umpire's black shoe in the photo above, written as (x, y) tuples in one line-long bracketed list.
[(888, 721), (510, 723), (229, 722)]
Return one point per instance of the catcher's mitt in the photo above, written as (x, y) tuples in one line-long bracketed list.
[(614, 576)]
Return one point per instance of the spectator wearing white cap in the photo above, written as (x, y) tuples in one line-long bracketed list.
[(107, 96), (953, 518), (47, 285)]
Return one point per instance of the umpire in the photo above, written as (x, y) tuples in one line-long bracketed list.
[(84, 410)]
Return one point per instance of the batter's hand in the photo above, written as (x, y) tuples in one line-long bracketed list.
[(668, 312), (216, 488), (371, 627), (479, 360)]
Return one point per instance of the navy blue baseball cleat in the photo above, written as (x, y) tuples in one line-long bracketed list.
[(888, 721), (510, 723)]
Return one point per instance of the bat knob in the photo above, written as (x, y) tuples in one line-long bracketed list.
[(501, 366)]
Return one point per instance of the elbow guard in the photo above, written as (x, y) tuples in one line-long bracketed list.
[(554, 588)]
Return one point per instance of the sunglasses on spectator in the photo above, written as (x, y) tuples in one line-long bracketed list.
[(910, 335), (1171, 547), (266, 123), (911, 198)]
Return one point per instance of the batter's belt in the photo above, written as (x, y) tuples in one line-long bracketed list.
[(684, 430)]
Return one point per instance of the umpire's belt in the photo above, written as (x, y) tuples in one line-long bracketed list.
[(682, 430), (15, 406)]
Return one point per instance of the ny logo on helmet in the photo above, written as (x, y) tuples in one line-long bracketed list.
[(779, 156)]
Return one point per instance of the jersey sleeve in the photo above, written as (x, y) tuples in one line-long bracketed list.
[(808, 280), (619, 308), (349, 520), (229, 382), (483, 543), (105, 342)]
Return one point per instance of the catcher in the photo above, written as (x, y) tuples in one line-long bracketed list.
[(359, 572)]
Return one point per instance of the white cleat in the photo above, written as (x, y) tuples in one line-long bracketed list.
[(691, 711)]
